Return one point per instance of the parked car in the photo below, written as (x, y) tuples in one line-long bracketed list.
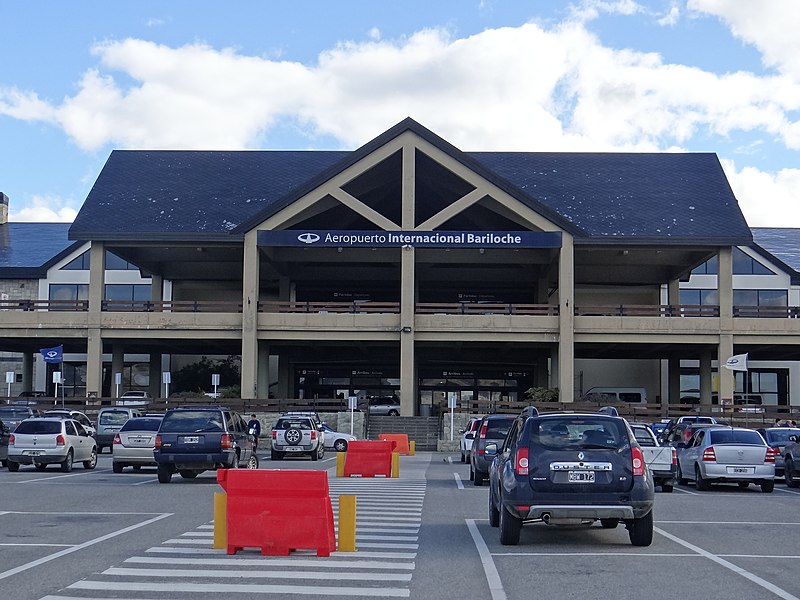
[(684, 431), (14, 415), (297, 435), (75, 415), (384, 405), (570, 469), (791, 462), (41, 441), (335, 440), (467, 436), (491, 428), (193, 439), (667, 436), (661, 460), (726, 455), (779, 438), (134, 442), (5, 434), (110, 420), (134, 398)]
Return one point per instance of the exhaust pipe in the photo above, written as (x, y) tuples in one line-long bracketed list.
[(546, 518)]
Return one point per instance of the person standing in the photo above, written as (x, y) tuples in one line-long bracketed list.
[(254, 429)]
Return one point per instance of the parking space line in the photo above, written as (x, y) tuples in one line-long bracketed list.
[(604, 554), (489, 568), (781, 593), (787, 491), (683, 491), (78, 547), (43, 545), (737, 523), (48, 478), (459, 483), (226, 588)]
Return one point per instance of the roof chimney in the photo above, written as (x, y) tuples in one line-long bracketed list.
[(3, 209)]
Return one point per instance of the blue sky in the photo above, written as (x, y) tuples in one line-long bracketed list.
[(81, 78)]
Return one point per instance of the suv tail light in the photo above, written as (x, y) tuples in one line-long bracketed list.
[(158, 442), (482, 436), (274, 435), (60, 441), (521, 461), (116, 439), (674, 456), (637, 460), (769, 457), (709, 454), (225, 441), (11, 439), (313, 435)]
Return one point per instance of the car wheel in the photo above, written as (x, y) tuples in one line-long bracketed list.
[(471, 473), (117, 467), (478, 478), (253, 462), (768, 486), (13, 466), (788, 473), (700, 484), (679, 476), (609, 523), (275, 455), (510, 527), (164, 473), (494, 514), (186, 474), (340, 445), (640, 531), (393, 413), (40, 466), (66, 466), (92, 462), (3, 463), (666, 488)]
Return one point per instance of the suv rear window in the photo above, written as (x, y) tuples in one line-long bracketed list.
[(577, 432), (38, 427), (304, 424), (15, 413), (113, 417), (734, 436), (192, 420), (497, 429), (141, 424)]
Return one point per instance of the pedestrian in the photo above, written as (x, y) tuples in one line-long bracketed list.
[(254, 429)]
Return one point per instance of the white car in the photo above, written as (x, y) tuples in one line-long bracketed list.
[(43, 441), (75, 415), (467, 435), (335, 440)]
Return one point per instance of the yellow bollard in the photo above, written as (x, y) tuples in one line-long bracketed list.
[(347, 523), (395, 464), (340, 456), (220, 520), (411, 447)]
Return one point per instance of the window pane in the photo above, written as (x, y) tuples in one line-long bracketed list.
[(745, 297), (712, 265), (742, 263), (759, 269), (141, 292), (709, 298), (773, 298), (119, 292), (690, 297), (80, 263), (115, 263), (63, 292)]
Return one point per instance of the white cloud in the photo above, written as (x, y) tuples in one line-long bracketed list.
[(766, 199), (45, 209)]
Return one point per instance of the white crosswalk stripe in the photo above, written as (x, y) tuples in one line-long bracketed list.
[(388, 520)]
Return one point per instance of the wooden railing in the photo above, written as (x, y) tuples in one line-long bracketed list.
[(482, 308), (329, 307), (647, 310)]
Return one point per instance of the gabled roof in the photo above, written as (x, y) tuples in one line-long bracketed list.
[(608, 198), (28, 250), (782, 245)]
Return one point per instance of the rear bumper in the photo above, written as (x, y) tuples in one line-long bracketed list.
[(560, 511), (720, 472), (42, 459), (206, 462), (135, 456)]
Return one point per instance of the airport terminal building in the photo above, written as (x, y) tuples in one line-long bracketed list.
[(409, 267)]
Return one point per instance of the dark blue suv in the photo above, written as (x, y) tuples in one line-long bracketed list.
[(570, 469), (194, 439)]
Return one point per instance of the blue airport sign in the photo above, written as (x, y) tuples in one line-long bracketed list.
[(417, 239)]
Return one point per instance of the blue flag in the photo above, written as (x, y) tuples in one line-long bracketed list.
[(53, 355)]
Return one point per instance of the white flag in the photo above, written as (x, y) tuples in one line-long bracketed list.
[(737, 362)]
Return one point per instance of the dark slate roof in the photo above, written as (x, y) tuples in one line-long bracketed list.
[(781, 243), (27, 250), (620, 198)]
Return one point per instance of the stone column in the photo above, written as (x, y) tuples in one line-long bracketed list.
[(566, 321), (117, 366), (250, 295), (727, 381), (94, 339)]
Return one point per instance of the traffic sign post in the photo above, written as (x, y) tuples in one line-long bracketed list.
[(166, 379), (351, 404), (215, 382), (10, 375)]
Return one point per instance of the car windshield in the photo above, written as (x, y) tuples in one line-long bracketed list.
[(497, 429), (735, 436), (113, 417), (781, 435), (192, 420), (577, 432), (141, 424), (38, 427), (643, 436)]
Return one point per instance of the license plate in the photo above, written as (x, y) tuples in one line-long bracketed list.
[(741, 470), (294, 449), (580, 476), (34, 452), (191, 439)]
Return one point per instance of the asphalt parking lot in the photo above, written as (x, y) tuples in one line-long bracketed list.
[(96, 534)]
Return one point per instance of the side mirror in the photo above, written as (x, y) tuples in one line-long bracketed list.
[(491, 449), (470, 436)]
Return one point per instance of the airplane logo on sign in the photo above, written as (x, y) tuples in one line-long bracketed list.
[(308, 238)]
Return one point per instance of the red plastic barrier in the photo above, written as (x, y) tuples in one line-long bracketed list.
[(278, 511), (401, 440), (368, 459)]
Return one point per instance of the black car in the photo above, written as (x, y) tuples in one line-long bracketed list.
[(570, 469), (492, 428), (194, 439), (5, 433)]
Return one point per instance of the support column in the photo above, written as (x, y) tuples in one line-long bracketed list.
[(154, 387), (408, 370), (727, 381), (117, 366), (566, 320), (263, 370), (706, 380), (674, 292), (285, 378), (94, 339), (250, 295), (27, 372), (673, 380), (156, 288)]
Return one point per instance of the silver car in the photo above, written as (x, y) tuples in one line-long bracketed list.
[(727, 455), (133, 444), (335, 440), (43, 441)]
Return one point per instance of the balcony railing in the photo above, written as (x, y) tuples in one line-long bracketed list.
[(648, 310)]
